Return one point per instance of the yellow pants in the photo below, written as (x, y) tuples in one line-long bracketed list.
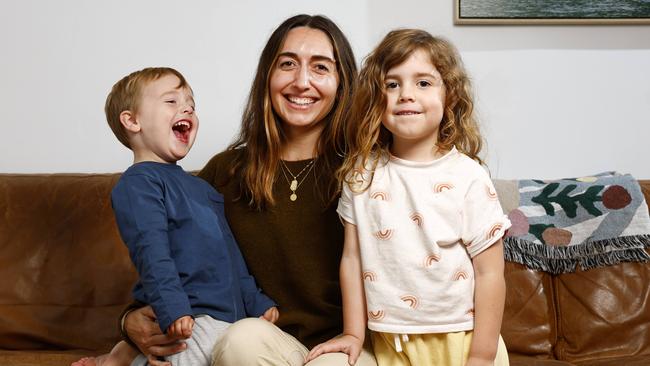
[(436, 349)]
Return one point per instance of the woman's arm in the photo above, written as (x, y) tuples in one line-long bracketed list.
[(142, 329), (489, 299)]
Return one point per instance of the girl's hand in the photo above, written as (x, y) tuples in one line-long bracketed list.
[(475, 361), (272, 314), (142, 328), (347, 344)]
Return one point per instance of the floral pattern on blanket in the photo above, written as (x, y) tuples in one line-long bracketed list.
[(588, 222)]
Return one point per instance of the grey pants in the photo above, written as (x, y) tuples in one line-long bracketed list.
[(205, 333)]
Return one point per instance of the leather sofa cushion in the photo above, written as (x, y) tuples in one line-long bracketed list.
[(604, 312), (529, 322), (64, 269)]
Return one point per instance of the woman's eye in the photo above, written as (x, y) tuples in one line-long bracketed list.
[(322, 68), (171, 101), (286, 64)]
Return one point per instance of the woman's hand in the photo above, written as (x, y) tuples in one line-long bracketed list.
[(143, 329), (347, 344)]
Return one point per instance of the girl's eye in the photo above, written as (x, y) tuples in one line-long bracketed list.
[(391, 85), (424, 83)]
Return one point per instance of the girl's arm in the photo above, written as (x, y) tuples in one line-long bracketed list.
[(354, 303), (489, 299)]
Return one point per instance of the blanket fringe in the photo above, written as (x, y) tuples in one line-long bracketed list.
[(593, 254)]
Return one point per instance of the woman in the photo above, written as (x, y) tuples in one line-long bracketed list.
[(280, 191)]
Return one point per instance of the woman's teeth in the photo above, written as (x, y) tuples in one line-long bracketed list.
[(301, 101)]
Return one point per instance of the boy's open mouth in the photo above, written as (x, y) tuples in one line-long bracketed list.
[(182, 130)]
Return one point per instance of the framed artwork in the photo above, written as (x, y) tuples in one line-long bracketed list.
[(552, 12)]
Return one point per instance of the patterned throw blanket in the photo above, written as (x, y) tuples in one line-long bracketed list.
[(590, 222)]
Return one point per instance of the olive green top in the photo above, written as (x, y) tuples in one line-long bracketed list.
[(293, 249)]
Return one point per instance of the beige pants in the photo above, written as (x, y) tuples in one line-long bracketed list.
[(258, 342)]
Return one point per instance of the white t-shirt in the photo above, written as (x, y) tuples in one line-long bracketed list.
[(419, 225)]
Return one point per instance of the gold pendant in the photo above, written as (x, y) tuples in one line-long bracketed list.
[(293, 196), (294, 185)]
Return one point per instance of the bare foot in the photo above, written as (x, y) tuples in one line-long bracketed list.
[(121, 355), (91, 361)]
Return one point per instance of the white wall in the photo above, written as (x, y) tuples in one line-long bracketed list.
[(553, 101)]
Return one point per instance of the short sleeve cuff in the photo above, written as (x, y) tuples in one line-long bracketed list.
[(489, 235)]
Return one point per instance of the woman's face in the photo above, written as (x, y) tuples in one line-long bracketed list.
[(304, 79)]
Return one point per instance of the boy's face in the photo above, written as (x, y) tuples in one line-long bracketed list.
[(167, 121)]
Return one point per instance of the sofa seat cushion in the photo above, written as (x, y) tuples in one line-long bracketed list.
[(41, 358), (520, 360), (617, 361), (604, 313), (529, 320)]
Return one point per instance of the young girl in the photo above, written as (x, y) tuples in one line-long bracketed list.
[(423, 224)]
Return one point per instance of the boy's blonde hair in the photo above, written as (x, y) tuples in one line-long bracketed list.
[(367, 136), (126, 93)]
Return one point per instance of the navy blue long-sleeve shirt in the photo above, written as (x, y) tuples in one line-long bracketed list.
[(175, 229)]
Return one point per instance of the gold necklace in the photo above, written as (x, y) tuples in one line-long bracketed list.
[(294, 184)]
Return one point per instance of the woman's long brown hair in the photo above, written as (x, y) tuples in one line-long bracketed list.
[(261, 137)]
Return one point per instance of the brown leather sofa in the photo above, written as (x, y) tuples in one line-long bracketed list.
[(65, 277)]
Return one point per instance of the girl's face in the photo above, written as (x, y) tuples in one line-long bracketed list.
[(304, 79), (415, 97)]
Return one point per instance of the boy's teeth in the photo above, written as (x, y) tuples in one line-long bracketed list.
[(182, 125)]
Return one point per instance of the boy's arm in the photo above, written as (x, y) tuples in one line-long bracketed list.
[(142, 220), (354, 302), (489, 299)]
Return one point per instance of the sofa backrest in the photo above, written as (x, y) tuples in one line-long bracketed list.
[(581, 316), (65, 274)]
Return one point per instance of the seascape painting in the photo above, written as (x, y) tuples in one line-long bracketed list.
[(552, 12)]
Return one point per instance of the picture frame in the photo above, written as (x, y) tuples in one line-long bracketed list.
[(559, 12)]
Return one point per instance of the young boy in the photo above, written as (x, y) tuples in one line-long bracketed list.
[(191, 270)]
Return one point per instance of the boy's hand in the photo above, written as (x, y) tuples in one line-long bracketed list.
[(347, 344), (181, 327), (272, 314)]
